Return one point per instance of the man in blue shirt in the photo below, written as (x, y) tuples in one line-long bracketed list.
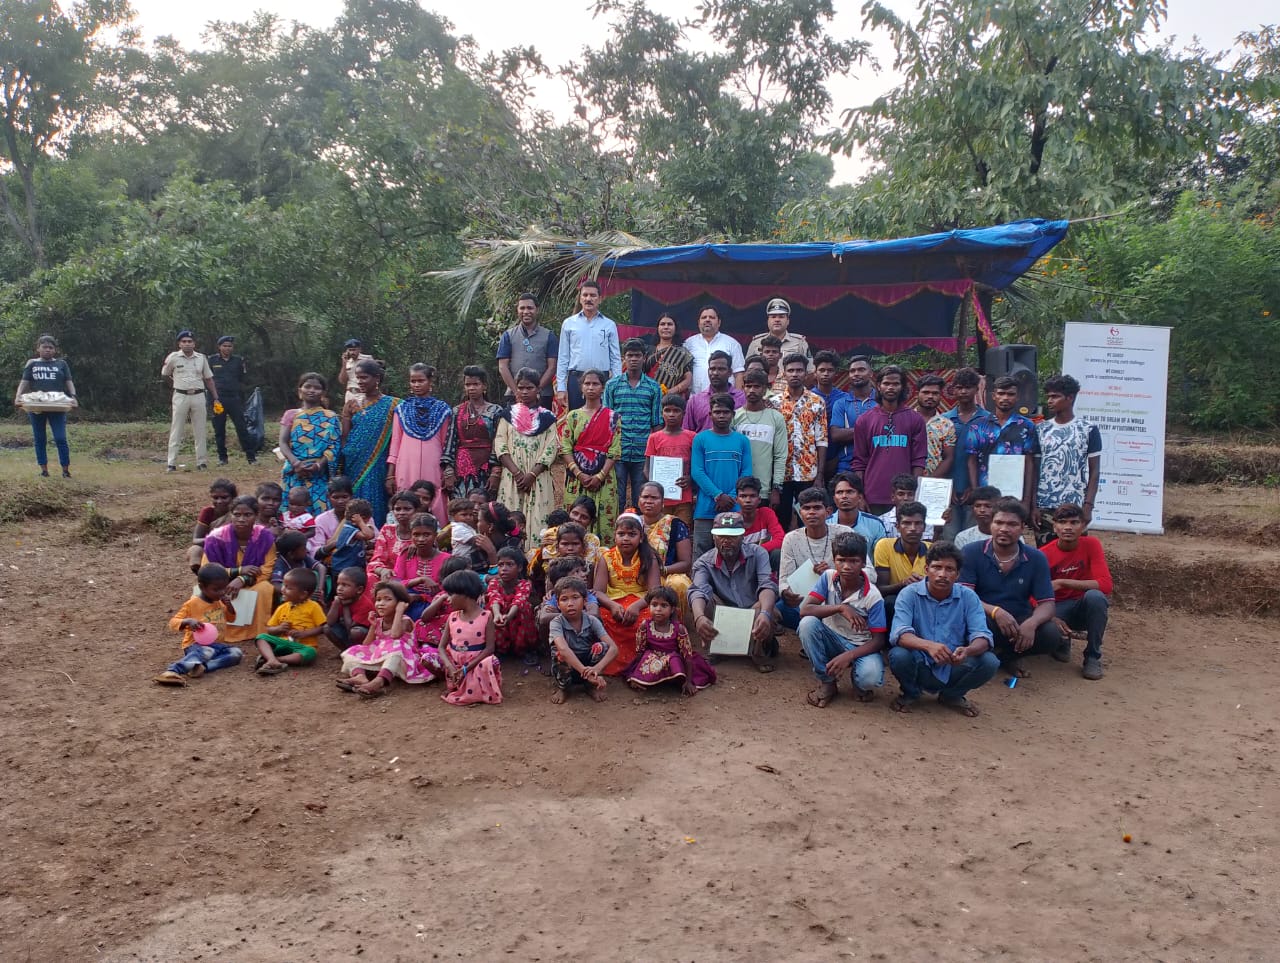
[(845, 412), (1005, 432), (940, 639), (965, 390), (587, 340), (1008, 575), (720, 457)]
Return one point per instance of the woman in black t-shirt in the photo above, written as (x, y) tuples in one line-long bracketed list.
[(47, 373)]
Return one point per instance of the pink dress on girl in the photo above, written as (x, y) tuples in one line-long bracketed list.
[(398, 654), (431, 632), (482, 681)]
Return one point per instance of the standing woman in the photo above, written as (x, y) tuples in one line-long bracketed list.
[(44, 372), (418, 437), (366, 436), (527, 446), (591, 447), (310, 438), (670, 364), (469, 464)]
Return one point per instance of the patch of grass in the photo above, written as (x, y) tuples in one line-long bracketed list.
[(87, 436), (42, 498), (96, 528), (171, 521), (1201, 464)]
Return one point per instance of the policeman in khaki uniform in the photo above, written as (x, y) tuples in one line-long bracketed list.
[(778, 318), (192, 377)]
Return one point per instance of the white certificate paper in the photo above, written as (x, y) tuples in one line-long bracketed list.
[(1005, 472), (803, 578), (733, 631), (935, 495), (244, 605), (665, 471)]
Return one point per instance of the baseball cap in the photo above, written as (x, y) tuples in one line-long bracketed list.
[(728, 523), (778, 306), (227, 339), (353, 343)]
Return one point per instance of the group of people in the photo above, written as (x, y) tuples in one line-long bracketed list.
[(428, 542)]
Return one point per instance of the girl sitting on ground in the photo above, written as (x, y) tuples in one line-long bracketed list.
[(393, 537), (417, 567), (508, 594), (471, 670), (663, 651), (390, 651), (222, 492)]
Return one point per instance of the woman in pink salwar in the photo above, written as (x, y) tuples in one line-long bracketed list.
[(468, 651), (418, 435)]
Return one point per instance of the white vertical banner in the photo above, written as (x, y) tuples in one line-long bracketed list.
[(1123, 370)]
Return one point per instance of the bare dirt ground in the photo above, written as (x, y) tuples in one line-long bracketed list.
[(278, 819)]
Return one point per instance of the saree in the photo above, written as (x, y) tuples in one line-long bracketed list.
[(591, 439), (669, 365), (315, 434), (527, 436), (624, 588), (222, 548), (364, 454), (468, 449), (663, 537)]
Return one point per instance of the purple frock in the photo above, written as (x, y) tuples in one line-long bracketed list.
[(667, 658)]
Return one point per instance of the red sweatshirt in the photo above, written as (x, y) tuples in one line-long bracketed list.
[(1086, 561)]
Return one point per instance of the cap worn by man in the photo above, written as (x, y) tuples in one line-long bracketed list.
[(778, 306), (227, 339), (185, 333), (729, 523), (353, 343)]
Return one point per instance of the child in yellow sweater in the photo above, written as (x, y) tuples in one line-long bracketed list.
[(295, 625), (200, 620)]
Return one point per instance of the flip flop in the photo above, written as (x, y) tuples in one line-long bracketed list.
[(273, 669), (961, 705), (821, 701)]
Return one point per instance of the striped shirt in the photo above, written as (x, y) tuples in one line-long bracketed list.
[(638, 408)]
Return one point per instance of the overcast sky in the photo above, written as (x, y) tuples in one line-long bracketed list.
[(561, 28)]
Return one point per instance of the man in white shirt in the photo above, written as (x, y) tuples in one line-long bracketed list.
[(192, 377), (707, 340), (588, 340)]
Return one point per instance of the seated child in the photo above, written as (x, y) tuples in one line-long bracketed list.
[(508, 594), (461, 531), (203, 610), (568, 567), (428, 628), (299, 518), (350, 612), (583, 649), (390, 651), (417, 567), (327, 522), (221, 494), (290, 636), (347, 547), (270, 496), (471, 671), (426, 491), (663, 650), (291, 553)]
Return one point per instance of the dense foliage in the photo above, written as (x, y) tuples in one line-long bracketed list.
[(294, 186)]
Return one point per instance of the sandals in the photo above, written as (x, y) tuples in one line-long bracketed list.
[(822, 696)]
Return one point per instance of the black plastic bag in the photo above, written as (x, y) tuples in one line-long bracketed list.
[(255, 422)]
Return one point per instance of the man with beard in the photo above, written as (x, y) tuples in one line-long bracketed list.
[(888, 440), (845, 411)]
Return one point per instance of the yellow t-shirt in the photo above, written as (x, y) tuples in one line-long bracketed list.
[(888, 555), (300, 616), (202, 611)]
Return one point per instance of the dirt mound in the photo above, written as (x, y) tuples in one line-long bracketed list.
[(1225, 587), (1203, 464)]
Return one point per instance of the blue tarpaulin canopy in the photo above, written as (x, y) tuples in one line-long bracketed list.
[(849, 295)]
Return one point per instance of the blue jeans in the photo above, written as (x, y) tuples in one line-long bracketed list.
[(630, 473), (1088, 613), (915, 676), (212, 657), (822, 644), (57, 422), (789, 615)]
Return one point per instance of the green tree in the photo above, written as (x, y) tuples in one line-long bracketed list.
[(54, 67), (1024, 108)]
